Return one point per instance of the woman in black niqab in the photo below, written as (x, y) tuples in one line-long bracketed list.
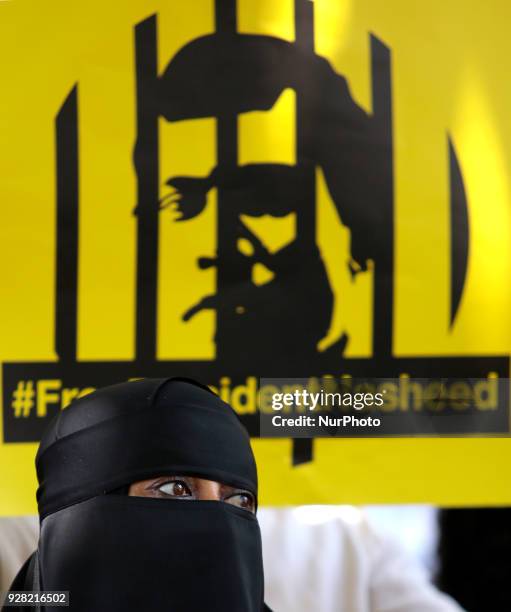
[(117, 552)]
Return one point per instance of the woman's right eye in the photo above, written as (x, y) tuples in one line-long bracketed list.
[(175, 488)]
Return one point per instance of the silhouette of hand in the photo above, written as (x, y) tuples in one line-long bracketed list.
[(207, 303), (188, 198)]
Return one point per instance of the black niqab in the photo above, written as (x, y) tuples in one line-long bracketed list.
[(115, 552)]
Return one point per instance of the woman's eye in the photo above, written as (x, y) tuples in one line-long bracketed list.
[(175, 488), (242, 500)]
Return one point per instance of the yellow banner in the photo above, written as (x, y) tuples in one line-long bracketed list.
[(248, 189)]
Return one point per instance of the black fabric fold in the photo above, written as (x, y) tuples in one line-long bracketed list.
[(149, 554), (154, 427)]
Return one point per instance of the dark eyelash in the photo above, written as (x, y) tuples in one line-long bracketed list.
[(242, 492), (159, 485)]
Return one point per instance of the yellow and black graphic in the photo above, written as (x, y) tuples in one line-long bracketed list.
[(265, 329), (271, 227)]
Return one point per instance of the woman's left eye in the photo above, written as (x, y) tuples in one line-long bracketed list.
[(242, 500), (175, 488)]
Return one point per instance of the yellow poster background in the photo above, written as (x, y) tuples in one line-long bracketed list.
[(449, 76)]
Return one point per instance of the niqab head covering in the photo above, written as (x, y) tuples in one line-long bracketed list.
[(115, 552)]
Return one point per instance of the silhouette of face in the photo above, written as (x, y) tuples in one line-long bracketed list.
[(192, 488)]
